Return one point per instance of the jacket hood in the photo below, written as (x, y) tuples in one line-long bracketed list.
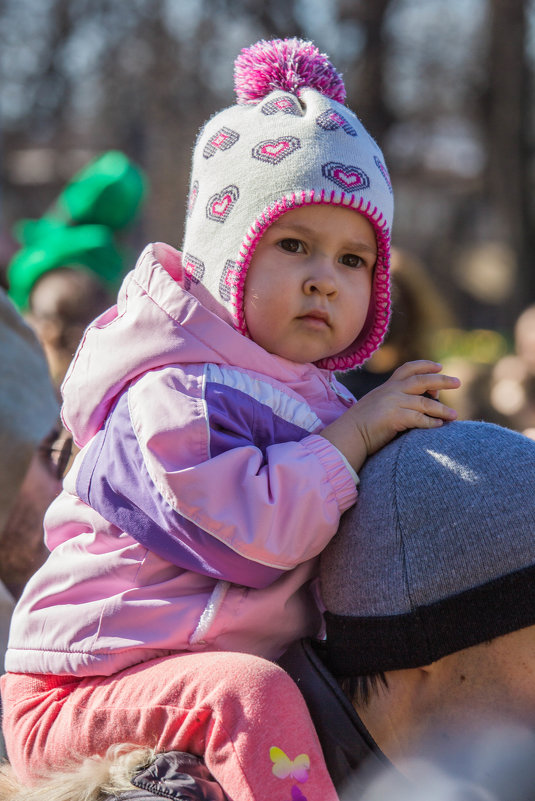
[(155, 322)]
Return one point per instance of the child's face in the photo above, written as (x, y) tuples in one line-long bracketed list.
[(309, 283)]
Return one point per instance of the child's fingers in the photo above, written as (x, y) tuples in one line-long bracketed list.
[(431, 414), (409, 399), (431, 383), (415, 407), (425, 421), (434, 408), (416, 367), (422, 376), (420, 413)]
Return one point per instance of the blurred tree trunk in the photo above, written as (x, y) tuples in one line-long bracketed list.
[(369, 95), (507, 126)]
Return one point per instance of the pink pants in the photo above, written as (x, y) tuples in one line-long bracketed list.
[(243, 714)]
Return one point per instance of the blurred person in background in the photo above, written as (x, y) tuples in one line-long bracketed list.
[(512, 383), (61, 305), (418, 314), (70, 266), (29, 474)]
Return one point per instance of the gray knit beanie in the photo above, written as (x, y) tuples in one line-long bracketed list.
[(438, 554), (288, 142), (28, 403)]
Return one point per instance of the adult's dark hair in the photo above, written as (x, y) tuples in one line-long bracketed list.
[(359, 689)]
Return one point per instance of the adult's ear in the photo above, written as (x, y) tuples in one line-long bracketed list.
[(395, 712)]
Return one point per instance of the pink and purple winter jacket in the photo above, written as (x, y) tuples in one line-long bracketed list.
[(201, 496)]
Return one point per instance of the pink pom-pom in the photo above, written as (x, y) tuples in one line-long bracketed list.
[(286, 64)]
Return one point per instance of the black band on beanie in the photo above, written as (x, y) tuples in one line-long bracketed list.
[(358, 646)]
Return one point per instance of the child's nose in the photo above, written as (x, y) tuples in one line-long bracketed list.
[(321, 278)]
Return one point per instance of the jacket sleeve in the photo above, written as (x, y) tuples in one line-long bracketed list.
[(174, 775), (200, 481)]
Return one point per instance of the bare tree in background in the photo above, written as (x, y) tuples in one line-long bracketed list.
[(142, 75), (368, 94), (507, 128)]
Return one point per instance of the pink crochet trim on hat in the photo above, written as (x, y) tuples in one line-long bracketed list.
[(285, 64), (381, 283)]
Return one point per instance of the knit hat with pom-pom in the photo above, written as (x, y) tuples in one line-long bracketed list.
[(288, 142)]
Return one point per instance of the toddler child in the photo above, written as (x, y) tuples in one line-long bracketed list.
[(218, 451)]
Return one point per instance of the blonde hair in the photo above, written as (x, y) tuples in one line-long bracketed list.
[(94, 779)]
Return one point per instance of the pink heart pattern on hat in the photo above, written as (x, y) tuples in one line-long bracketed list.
[(229, 278), (274, 151), (345, 176), (221, 140), (193, 270), (384, 172), (331, 120), (221, 204), (284, 104)]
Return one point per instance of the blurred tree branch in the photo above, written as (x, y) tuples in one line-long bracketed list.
[(369, 95), (506, 127), (450, 102)]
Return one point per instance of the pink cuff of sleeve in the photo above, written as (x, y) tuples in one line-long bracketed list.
[(340, 476)]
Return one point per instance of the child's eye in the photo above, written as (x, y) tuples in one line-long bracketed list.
[(351, 260), (291, 245)]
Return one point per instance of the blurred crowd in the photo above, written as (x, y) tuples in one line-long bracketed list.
[(498, 375), (69, 265)]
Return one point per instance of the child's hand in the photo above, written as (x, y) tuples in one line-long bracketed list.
[(395, 406)]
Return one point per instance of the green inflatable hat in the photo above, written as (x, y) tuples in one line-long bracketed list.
[(107, 191), (89, 246)]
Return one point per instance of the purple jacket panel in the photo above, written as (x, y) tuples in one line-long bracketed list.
[(114, 480), (237, 419)]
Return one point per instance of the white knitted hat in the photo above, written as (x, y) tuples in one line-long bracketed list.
[(288, 142)]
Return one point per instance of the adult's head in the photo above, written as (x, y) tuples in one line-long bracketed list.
[(62, 303), (28, 413), (430, 588)]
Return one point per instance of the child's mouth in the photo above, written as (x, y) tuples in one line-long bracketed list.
[(317, 319)]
